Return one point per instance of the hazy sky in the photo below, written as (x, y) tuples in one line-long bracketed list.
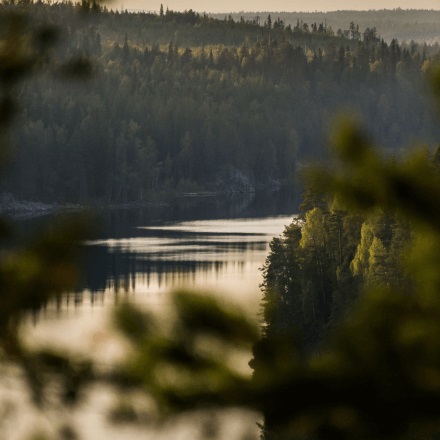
[(274, 5)]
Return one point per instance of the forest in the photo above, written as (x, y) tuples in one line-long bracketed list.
[(325, 259), (185, 103), (403, 24), (346, 289), (349, 344)]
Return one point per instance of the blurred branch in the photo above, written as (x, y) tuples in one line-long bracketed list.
[(31, 275)]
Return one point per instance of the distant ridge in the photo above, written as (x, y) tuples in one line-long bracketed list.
[(421, 25)]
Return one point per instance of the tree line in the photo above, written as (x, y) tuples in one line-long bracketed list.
[(326, 259), (240, 112), (378, 377), (404, 24)]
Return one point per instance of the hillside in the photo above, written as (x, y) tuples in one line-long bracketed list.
[(182, 102), (404, 25)]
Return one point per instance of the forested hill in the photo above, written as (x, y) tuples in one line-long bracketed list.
[(184, 102), (402, 24)]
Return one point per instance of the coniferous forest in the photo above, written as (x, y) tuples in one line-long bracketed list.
[(324, 260), (186, 103), (182, 102)]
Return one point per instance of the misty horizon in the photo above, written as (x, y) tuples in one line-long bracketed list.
[(280, 6)]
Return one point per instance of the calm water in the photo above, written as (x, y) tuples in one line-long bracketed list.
[(220, 255), (209, 244)]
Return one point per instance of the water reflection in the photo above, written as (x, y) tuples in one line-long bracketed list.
[(209, 243), (210, 254), (142, 254)]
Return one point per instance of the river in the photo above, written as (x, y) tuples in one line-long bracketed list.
[(207, 243), (141, 254)]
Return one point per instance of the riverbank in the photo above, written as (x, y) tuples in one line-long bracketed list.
[(22, 209), (12, 207)]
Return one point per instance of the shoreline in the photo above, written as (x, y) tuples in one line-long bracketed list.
[(14, 208)]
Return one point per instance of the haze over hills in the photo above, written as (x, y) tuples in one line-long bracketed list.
[(420, 25), (404, 25), (212, 6)]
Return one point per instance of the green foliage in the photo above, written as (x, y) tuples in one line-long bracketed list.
[(184, 102), (190, 362), (360, 263), (377, 374), (33, 273)]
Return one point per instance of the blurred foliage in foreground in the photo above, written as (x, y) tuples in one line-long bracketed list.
[(377, 376), (378, 373), (32, 274)]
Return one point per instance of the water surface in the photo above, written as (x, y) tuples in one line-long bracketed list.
[(211, 244), (142, 254), (208, 244), (216, 255)]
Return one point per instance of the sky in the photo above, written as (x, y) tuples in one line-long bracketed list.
[(274, 5)]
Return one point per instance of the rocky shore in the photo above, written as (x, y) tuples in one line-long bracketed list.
[(12, 207)]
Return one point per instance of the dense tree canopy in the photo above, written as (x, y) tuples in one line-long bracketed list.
[(358, 276), (378, 375), (183, 102)]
